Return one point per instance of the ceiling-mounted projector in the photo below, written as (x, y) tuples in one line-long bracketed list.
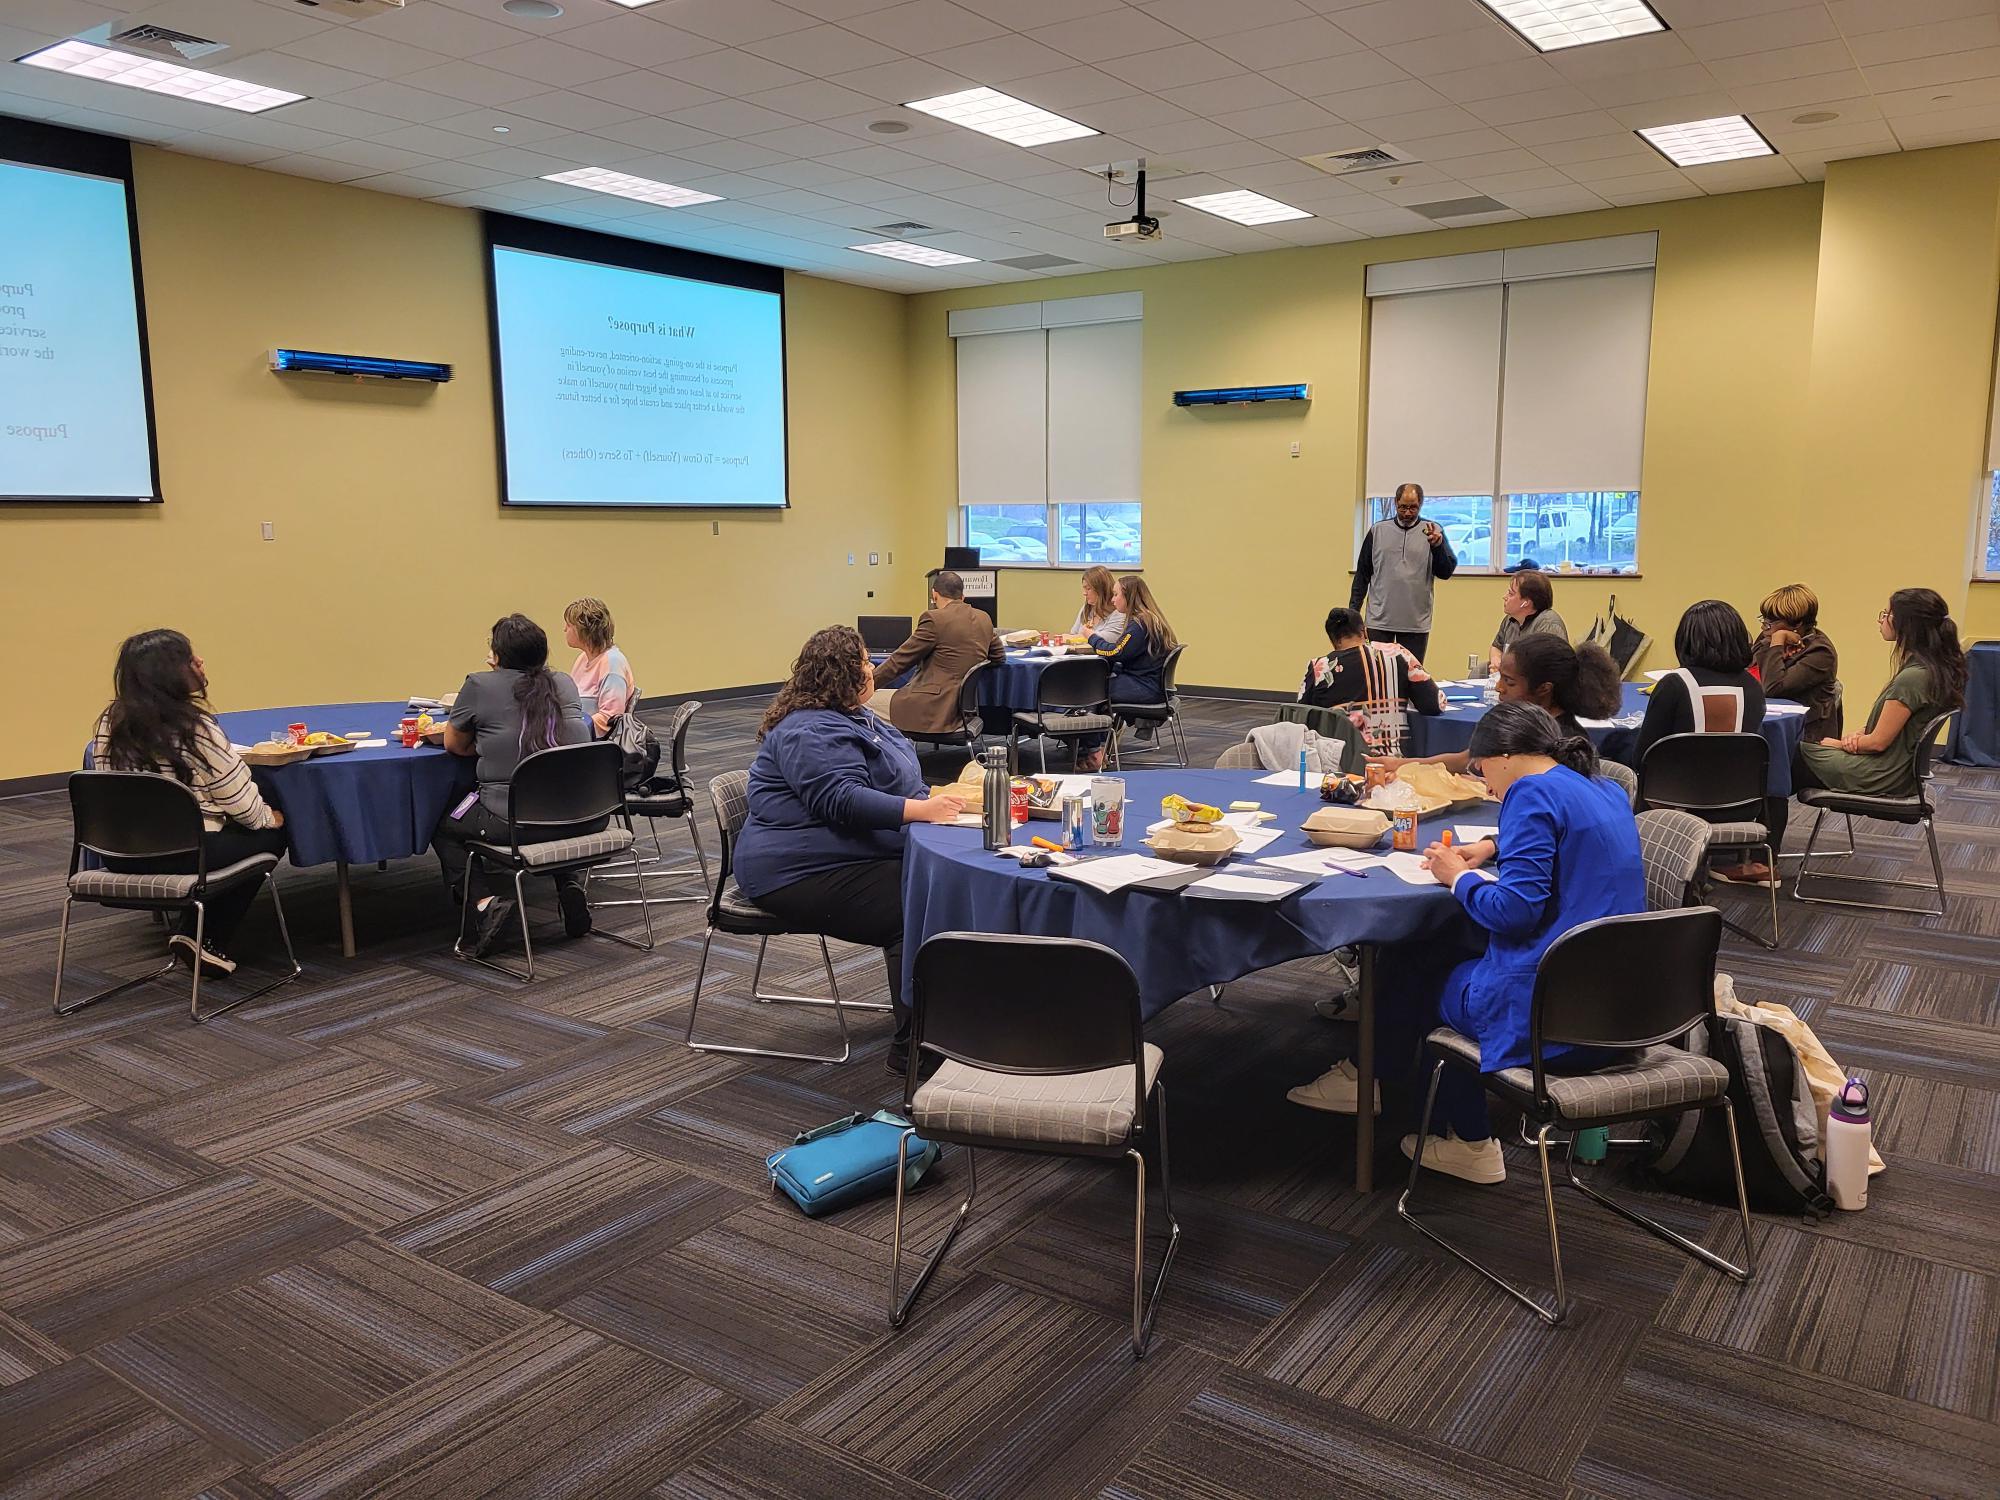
[(1141, 226)]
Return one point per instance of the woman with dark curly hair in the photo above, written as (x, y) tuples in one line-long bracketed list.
[(831, 788)]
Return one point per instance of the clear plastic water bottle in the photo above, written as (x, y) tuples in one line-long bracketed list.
[(1490, 694), (995, 819)]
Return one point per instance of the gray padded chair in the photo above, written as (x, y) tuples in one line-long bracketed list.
[(1915, 807), (1072, 703), (142, 815), (1660, 984), (1164, 715), (1721, 779), (1039, 1047), (1241, 757), (551, 792), (1627, 781), (730, 911), (1672, 846)]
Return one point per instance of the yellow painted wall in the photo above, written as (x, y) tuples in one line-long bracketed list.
[(392, 554), (1820, 365)]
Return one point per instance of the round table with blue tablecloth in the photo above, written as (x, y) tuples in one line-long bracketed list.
[(1452, 730), (1975, 733), (1005, 689), (1178, 945), (359, 806)]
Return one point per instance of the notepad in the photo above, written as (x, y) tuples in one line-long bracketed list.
[(1118, 872), (1231, 886)]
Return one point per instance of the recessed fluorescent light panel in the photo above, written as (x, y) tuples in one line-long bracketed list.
[(1245, 208), (916, 255), (88, 60), (1552, 25), (1696, 143), (624, 185), (993, 113)]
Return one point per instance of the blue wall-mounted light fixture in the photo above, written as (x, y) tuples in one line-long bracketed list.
[(1237, 395), (307, 361)]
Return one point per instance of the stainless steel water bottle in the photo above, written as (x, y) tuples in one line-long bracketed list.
[(994, 817)]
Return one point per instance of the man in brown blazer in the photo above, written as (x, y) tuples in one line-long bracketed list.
[(950, 639)]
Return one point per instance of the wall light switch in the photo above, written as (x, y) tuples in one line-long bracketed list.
[(892, 559), (850, 559), (1295, 450), (874, 559), (715, 528), (270, 532)]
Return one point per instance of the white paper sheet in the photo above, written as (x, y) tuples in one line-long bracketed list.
[(369, 744), (1322, 862), (1627, 721), (1247, 885), (1472, 833), (1655, 676), (1783, 709), (1409, 868), (1290, 779), (1120, 870), (1250, 840)]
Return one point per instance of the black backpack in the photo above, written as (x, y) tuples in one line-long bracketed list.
[(1777, 1127), (639, 746)]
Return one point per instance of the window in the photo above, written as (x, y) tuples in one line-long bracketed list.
[(1990, 561), (1048, 432), (1512, 386)]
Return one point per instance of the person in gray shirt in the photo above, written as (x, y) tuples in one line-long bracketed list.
[(502, 716), (1527, 608), (1401, 559)]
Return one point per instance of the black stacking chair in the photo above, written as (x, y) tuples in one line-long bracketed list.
[(1328, 724), (1914, 807), (1721, 779), (1072, 702), (1633, 983), (665, 796), (1038, 1047), (733, 913), (1165, 714), (142, 815), (552, 791), (970, 726)]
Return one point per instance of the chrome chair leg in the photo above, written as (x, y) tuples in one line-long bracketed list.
[(1654, 1227), (1770, 861), (642, 901), (653, 867), (1551, 1317), (62, 950), (739, 1049), (291, 957), (900, 1304), (1934, 887), (832, 997), (1144, 1306)]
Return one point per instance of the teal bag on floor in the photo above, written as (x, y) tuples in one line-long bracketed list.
[(847, 1161)]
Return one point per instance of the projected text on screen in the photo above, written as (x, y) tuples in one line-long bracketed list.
[(73, 418), (629, 387)]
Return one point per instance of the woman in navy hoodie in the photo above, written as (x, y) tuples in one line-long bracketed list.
[(831, 788)]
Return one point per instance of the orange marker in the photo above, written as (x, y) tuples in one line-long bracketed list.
[(1041, 843)]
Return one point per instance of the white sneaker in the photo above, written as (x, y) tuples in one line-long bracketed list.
[(1471, 1161), (1337, 1091)]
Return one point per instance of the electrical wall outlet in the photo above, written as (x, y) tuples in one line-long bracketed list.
[(874, 559), (270, 532)]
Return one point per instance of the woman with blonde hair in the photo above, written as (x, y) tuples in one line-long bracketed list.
[(1793, 658), (1099, 616), (1138, 655), (601, 670)]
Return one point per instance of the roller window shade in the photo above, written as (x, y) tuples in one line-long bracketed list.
[(1093, 412), (1003, 418), (1434, 390), (1574, 417), (1993, 433)]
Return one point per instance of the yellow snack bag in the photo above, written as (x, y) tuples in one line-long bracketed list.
[(1181, 810)]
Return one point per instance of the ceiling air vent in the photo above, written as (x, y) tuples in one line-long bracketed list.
[(159, 41), (906, 229), (1459, 208), (1038, 262), (1362, 159)]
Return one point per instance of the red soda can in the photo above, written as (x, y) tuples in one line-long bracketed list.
[(1017, 800)]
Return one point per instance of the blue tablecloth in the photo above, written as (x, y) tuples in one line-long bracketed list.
[(1003, 690), (362, 805), (1975, 733), (1452, 730), (1176, 944)]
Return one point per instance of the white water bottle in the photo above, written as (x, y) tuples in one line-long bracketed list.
[(1847, 1131)]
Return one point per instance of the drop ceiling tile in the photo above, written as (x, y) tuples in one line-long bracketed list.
[(1534, 134), (872, 161), (1632, 54), (1228, 160), (1277, 119), (1910, 42), (340, 119), (1456, 51), (439, 28), (1385, 220), (551, 63), (1797, 93), (1740, 176), (648, 92), (1084, 152), (194, 143), (1337, 75), (638, 41), (1859, 17), (1783, 62), (1924, 72), (804, 141), (735, 156), (1275, 177), (1026, 15), (812, 174), (1391, 21), (976, 153), (733, 71), (458, 175), (1542, 202), (1674, 111), (1312, 232), (522, 163), (1280, 46), (399, 99), (359, 52), (404, 186), (737, 21), (474, 84), (823, 50), (1619, 168), (262, 130), (1950, 127), (1000, 59), (1418, 122), (1647, 189), (1504, 185), (1202, 18), (1638, 88), (569, 110), (1181, 135), (1542, 104), (1818, 140), (1404, 97), (581, 149), (278, 70), (647, 134), (938, 178), (1000, 197), (1120, 33), (1069, 88), (431, 141), (905, 79), (1797, 27), (1240, 92), (1465, 146), (1174, 67), (1574, 156), (921, 26), (323, 168), (1297, 143), (1685, 13), (1135, 112), (374, 156), (1524, 75)]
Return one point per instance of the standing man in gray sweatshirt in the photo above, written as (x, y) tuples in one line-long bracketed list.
[(1401, 560)]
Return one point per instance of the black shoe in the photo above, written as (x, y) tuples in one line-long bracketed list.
[(575, 904), (494, 919), (213, 961), (898, 1063)]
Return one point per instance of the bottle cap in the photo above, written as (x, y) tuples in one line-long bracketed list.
[(1851, 1103)]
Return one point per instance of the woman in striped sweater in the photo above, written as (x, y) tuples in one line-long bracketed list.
[(159, 721)]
